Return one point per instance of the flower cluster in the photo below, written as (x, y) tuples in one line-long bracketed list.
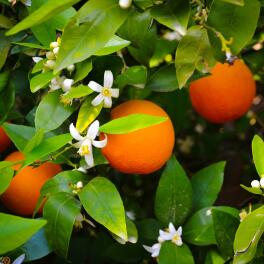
[(258, 184), (170, 234)]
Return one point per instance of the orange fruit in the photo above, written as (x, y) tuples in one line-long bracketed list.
[(5, 142), (143, 151), (225, 95), (24, 190)]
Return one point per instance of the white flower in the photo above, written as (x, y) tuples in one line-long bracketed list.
[(50, 64), (67, 84), (261, 182), (37, 59), (56, 83), (85, 143), (255, 184), (125, 3), (172, 234), (154, 250), (50, 55), (106, 91), (79, 185), (71, 68), (56, 50), (54, 45)]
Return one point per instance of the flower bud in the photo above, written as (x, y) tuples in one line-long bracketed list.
[(79, 185), (50, 64), (50, 55), (125, 3), (56, 50), (37, 59), (255, 184), (66, 85), (71, 68), (262, 182), (54, 44)]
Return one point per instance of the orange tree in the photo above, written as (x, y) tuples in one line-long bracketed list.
[(167, 175)]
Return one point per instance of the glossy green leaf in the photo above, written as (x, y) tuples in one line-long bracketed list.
[(87, 114), (235, 2), (46, 147), (5, 22), (35, 141), (50, 113), (206, 185), (163, 80), (38, 66), (131, 123), (19, 134), (173, 201), (77, 92), (41, 81), (174, 14), (4, 77), (6, 176), (171, 253), (89, 31), (4, 48), (258, 154), (82, 70), (236, 18), (45, 12), (114, 44), (18, 230), (225, 226), (60, 210), (31, 45), (199, 229), (103, 203), (252, 190), (193, 52), (248, 235), (213, 257)]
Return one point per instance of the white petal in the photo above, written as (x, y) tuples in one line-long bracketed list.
[(156, 250), (77, 144), (261, 182), (66, 85), (107, 102), (93, 130), (178, 242), (114, 92), (101, 143), (89, 160), (37, 59), (179, 231), (95, 86), (56, 50), (20, 259), (82, 169), (165, 235), (54, 44), (172, 228), (149, 249), (27, 2), (255, 184), (97, 100), (108, 79), (74, 132)]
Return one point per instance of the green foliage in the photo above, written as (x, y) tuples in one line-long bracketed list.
[(6, 176), (258, 154)]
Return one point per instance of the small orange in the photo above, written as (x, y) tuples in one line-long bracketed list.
[(5, 142), (143, 151), (24, 190), (225, 95)]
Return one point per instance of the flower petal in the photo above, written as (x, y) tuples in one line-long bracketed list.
[(89, 160), (149, 249), (37, 59), (82, 169), (107, 102), (179, 231), (165, 235), (95, 86), (178, 242), (74, 132), (108, 79), (20, 259), (97, 100), (172, 228), (101, 143), (66, 85), (114, 92), (93, 130)]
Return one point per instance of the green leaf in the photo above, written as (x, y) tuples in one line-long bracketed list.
[(235, 2), (173, 201), (50, 113), (213, 257), (252, 190), (35, 141), (41, 81), (4, 77), (45, 12), (89, 31), (174, 14), (87, 114), (4, 48), (193, 52), (236, 18), (18, 230), (39, 66), (206, 185), (225, 226), (199, 229), (258, 154), (31, 45), (171, 253), (131, 123), (248, 235), (135, 76), (19, 134), (163, 80), (103, 203), (77, 92), (6, 176), (5, 22), (61, 211), (82, 70), (46, 147), (114, 44)]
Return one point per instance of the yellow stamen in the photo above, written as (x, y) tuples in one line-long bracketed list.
[(175, 238), (84, 150), (106, 91)]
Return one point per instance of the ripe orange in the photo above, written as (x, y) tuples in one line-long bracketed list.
[(143, 151), (5, 142), (225, 95), (24, 190)]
